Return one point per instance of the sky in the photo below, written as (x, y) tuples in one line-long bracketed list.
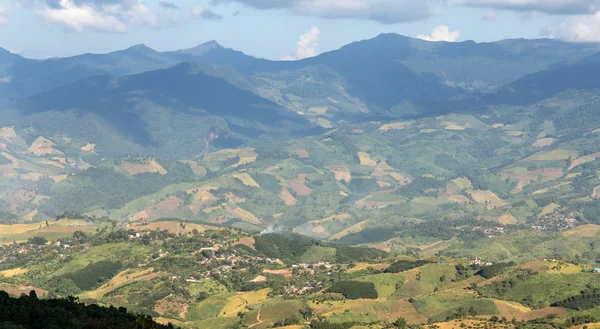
[(280, 29)]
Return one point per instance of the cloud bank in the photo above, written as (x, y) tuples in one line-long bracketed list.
[(383, 11), (555, 7)]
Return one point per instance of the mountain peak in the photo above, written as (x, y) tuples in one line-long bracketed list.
[(141, 48), (202, 49)]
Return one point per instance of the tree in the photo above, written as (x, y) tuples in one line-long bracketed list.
[(400, 323)]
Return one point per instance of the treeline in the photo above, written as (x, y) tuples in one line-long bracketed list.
[(29, 312), (491, 271), (405, 265), (354, 289), (292, 246), (586, 300)]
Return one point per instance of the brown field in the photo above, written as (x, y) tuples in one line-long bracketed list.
[(342, 173), (485, 196), (544, 142), (584, 159), (57, 229), (549, 209), (13, 272), (248, 241), (382, 169), (89, 147), (400, 178), (7, 132), (259, 278), (537, 314), (583, 231), (298, 185), (243, 215), (507, 219), (246, 179), (151, 166), (383, 184), (395, 126), (43, 146), (287, 197), (286, 272), (17, 290), (596, 193), (497, 125), (453, 126), (365, 159), (121, 279), (553, 155), (302, 153)]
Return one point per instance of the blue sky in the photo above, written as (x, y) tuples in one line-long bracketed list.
[(280, 29)]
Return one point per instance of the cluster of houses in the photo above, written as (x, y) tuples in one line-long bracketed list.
[(490, 232), (556, 222), (477, 261)]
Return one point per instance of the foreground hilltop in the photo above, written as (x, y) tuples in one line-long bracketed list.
[(196, 276)]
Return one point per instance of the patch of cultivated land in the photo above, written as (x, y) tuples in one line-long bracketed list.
[(553, 155), (549, 209), (584, 159), (365, 159), (395, 126), (18, 290), (13, 272), (302, 153), (151, 166), (341, 172), (507, 219), (583, 231), (246, 179), (545, 142), (298, 185), (485, 197), (124, 278)]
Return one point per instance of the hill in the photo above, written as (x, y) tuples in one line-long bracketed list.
[(208, 277), (173, 112)]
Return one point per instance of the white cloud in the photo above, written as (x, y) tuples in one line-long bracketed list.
[(441, 33), (576, 28), (384, 11), (98, 15), (307, 45)]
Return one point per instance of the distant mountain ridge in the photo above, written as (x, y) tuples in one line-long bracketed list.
[(148, 97)]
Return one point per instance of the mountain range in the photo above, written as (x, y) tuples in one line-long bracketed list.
[(382, 133)]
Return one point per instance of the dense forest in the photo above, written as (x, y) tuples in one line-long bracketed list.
[(29, 312)]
